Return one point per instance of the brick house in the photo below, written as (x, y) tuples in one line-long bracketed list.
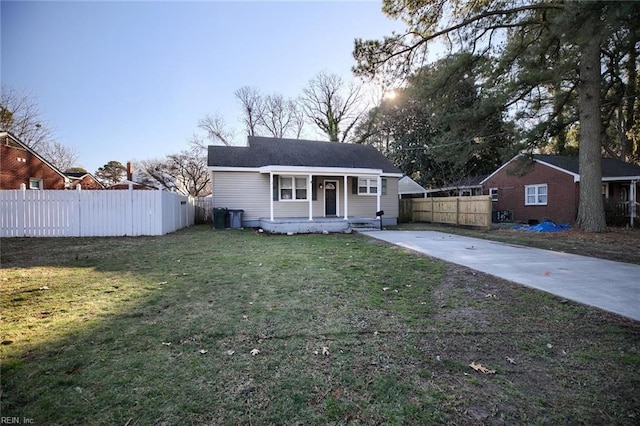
[(85, 180), (547, 187), (20, 164)]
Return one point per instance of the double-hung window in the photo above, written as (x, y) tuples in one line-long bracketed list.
[(535, 195), (293, 188), (367, 186), (494, 194)]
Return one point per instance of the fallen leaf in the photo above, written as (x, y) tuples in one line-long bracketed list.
[(511, 360), (385, 288), (166, 343), (44, 287), (230, 352), (481, 368), (244, 317), (549, 345), (203, 351), (255, 352), (325, 350)]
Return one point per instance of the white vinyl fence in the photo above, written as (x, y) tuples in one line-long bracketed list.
[(92, 213)]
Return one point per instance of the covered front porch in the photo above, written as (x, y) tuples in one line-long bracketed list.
[(302, 225)]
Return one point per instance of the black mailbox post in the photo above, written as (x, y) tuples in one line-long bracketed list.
[(380, 214)]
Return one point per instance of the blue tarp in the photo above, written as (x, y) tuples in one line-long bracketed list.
[(547, 226)]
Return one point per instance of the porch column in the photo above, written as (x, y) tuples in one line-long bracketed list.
[(271, 195), (633, 195), (345, 189), (379, 193), (310, 195)]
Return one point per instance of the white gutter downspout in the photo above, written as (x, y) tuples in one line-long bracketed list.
[(346, 198), (271, 195), (310, 196)]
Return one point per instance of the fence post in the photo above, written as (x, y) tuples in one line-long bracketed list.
[(21, 210), (77, 232), (432, 217)]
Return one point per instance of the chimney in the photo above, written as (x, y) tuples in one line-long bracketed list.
[(129, 171)]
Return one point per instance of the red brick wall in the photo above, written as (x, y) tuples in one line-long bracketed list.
[(18, 165), (87, 182), (562, 192)]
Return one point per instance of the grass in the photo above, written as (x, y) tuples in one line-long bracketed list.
[(160, 331)]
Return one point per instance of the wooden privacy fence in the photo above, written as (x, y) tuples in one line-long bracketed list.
[(92, 213), (467, 211)]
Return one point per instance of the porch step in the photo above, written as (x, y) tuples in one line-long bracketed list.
[(364, 224)]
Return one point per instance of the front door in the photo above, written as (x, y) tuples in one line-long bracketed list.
[(330, 198)]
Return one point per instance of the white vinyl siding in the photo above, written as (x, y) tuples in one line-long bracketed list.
[(250, 192), (535, 195)]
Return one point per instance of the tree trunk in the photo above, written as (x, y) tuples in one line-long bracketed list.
[(591, 208)]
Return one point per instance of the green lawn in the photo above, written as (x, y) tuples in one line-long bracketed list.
[(160, 330)]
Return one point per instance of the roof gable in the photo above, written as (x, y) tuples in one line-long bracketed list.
[(262, 151), (9, 138), (611, 167)]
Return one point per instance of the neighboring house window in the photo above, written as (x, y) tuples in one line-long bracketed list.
[(535, 195), (465, 193), (35, 183), (605, 190), (293, 188), (367, 186), (494, 194)]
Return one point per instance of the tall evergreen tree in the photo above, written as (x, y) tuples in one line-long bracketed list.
[(545, 45)]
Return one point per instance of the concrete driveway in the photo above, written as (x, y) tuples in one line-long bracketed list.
[(612, 286)]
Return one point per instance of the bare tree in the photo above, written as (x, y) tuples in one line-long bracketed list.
[(61, 156), (216, 128), (20, 115), (282, 117), (252, 107), (185, 173), (297, 117), (332, 105)]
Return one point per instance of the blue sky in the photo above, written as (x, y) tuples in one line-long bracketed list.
[(130, 80)]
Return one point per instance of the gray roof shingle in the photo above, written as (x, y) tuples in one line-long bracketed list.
[(263, 151), (611, 168)]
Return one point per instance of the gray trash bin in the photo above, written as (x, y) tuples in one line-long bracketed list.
[(236, 218)]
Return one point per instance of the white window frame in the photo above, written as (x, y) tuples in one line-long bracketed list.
[(368, 184), (38, 183), (294, 188), (494, 194), (537, 195)]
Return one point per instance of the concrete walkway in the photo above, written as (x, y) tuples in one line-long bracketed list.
[(612, 286)]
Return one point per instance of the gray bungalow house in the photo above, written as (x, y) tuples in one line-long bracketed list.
[(291, 185)]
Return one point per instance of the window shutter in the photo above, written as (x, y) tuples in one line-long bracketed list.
[(276, 196), (354, 185), (314, 188), (384, 186)]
